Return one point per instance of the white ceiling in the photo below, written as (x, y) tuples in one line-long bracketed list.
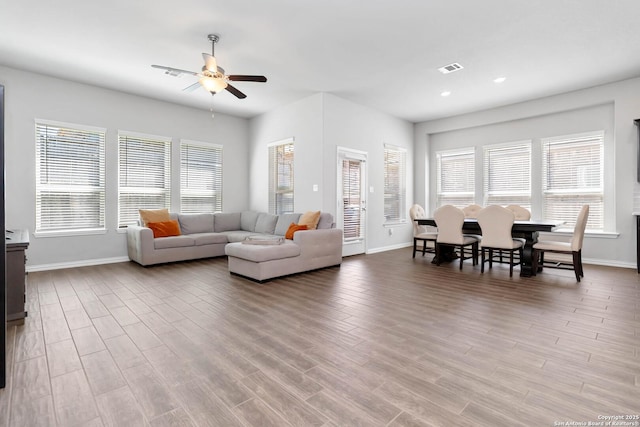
[(377, 53)]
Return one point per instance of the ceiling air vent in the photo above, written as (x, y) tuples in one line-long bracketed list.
[(450, 68)]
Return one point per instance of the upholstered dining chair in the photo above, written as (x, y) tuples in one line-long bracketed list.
[(421, 233), (471, 211), (521, 213), (496, 223), (449, 220), (573, 248)]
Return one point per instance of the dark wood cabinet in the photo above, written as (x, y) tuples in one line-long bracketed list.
[(17, 242)]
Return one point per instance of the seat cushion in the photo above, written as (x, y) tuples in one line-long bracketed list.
[(515, 244), (173, 242), (261, 253), (208, 238), (237, 235), (428, 236), (550, 245)]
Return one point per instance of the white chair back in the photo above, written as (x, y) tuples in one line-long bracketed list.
[(578, 231), (449, 220), (496, 222), (471, 211), (521, 214), (417, 211)]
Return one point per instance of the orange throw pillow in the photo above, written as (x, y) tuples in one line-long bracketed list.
[(154, 215), (310, 219), (165, 228), (292, 229)]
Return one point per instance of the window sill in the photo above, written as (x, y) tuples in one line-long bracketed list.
[(394, 223), (69, 233)]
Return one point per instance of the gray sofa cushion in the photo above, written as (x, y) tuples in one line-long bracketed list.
[(266, 223), (236, 235), (209, 238), (226, 221), (173, 242), (248, 220), (284, 221), (196, 223), (325, 221)]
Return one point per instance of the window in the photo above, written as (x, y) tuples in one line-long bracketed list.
[(507, 175), (395, 184), (145, 175), (572, 176), (200, 177), (455, 179), (352, 180), (70, 177), (281, 177)]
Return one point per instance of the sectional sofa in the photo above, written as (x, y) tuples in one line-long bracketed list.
[(253, 241)]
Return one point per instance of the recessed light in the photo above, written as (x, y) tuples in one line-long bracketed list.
[(499, 79), (445, 93)]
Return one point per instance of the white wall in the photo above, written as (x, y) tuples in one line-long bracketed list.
[(319, 124), (301, 120), (612, 107), (354, 126), (31, 96)]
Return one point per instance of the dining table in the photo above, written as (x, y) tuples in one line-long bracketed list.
[(527, 230)]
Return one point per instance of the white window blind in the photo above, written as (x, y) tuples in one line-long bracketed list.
[(281, 178), (395, 184), (200, 177), (572, 176), (352, 181), (145, 175), (70, 177), (455, 178), (507, 175)]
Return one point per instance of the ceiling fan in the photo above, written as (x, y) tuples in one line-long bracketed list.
[(212, 77)]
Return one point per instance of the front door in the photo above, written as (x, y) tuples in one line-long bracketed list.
[(352, 203)]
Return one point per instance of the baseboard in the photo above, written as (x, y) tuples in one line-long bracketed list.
[(609, 263), (389, 248), (73, 264)]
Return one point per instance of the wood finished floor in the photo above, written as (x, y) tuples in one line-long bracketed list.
[(384, 340)]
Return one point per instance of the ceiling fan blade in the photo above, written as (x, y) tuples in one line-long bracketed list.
[(192, 87), (235, 91), (241, 78), (210, 62), (176, 72)]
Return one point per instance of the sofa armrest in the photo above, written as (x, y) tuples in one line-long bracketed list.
[(322, 242), (139, 243)]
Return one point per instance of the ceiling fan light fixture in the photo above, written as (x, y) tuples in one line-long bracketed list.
[(213, 84)]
